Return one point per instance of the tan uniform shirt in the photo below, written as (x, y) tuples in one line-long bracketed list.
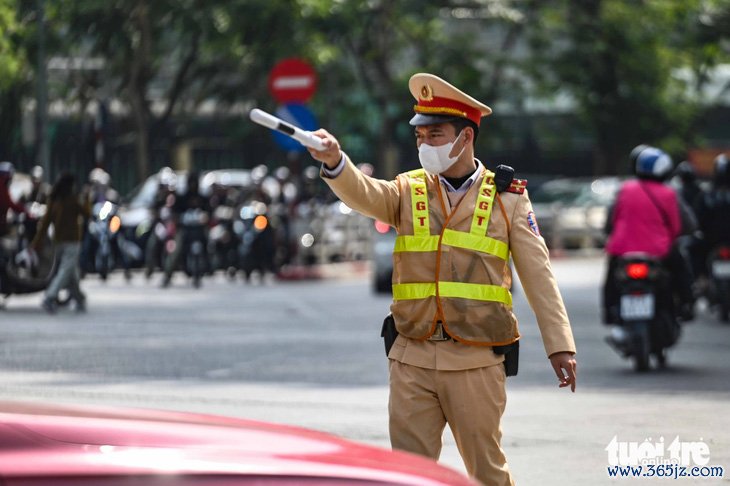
[(380, 199)]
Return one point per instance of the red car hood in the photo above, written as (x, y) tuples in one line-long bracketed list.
[(63, 441)]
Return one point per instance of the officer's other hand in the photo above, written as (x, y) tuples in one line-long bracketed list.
[(331, 154), (565, 368)]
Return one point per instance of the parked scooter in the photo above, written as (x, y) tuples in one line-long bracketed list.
[(647, 324), (718, 265)]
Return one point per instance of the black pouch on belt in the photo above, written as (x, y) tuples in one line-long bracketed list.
[(388, 333), (511, 354)]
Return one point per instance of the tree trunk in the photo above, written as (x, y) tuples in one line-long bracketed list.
[(140, 69), (387, 156), (142, 143)]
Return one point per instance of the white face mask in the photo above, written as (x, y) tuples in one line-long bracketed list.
[(436, 159)]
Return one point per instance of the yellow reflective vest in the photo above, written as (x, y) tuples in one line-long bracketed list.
[(452, 266)]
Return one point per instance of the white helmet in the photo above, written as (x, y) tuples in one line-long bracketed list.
[(36, 172), (167, 177), (99, 176)]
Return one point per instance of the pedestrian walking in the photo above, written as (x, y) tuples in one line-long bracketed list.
[(67, 214)]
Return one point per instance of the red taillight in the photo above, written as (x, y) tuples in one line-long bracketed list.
[(381, 227), (637, 271), (724, 253)]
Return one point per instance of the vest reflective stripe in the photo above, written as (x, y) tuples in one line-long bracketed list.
[(483, 207), (480, 243), (489, 293), (458, 239), (419, 203), (416, 243)]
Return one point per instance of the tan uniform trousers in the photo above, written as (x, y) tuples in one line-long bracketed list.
[(423, 401)]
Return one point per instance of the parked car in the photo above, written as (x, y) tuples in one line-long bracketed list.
[(572, 212), (51, 445)]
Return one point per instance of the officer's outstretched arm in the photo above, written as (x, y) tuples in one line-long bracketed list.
[(367, 195)]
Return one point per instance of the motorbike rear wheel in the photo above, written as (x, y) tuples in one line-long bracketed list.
[(102, 265), (725, 312), (195, 268), (641, 350)]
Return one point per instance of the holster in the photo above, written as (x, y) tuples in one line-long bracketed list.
[(511, 354), (388, 333)]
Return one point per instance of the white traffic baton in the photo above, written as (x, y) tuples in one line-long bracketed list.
[(308, 139)]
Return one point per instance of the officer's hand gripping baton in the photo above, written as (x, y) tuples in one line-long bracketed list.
[(302, 136)]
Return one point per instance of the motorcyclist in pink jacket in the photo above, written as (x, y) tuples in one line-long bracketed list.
[(646, 218)]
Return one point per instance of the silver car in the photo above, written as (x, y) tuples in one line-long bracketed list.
[(572, 212)]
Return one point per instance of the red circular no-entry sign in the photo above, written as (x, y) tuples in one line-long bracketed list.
[(292, 81)]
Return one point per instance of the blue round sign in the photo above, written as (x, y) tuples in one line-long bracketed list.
[(298, 115)]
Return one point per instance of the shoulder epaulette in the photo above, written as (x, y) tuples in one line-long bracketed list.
[(518, 186)]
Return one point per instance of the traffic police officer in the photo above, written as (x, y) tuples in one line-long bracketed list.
[(451, 278)]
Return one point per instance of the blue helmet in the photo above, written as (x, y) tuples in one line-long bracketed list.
[(651, 163)]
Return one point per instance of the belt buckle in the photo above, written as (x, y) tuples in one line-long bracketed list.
[(438, 334)]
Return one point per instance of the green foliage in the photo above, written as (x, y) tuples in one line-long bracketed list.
[(620, 61), (14, 75), (205, 47), (373, 47), (635, 70), (11, 57)]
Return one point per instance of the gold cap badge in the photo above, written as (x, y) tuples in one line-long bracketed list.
[(426, 92)]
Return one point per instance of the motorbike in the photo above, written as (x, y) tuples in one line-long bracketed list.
[(105, 246), (195, 225), (224, 241), (718, 265), (647, 323), (256, 250), (160, 235), (306, 231)]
